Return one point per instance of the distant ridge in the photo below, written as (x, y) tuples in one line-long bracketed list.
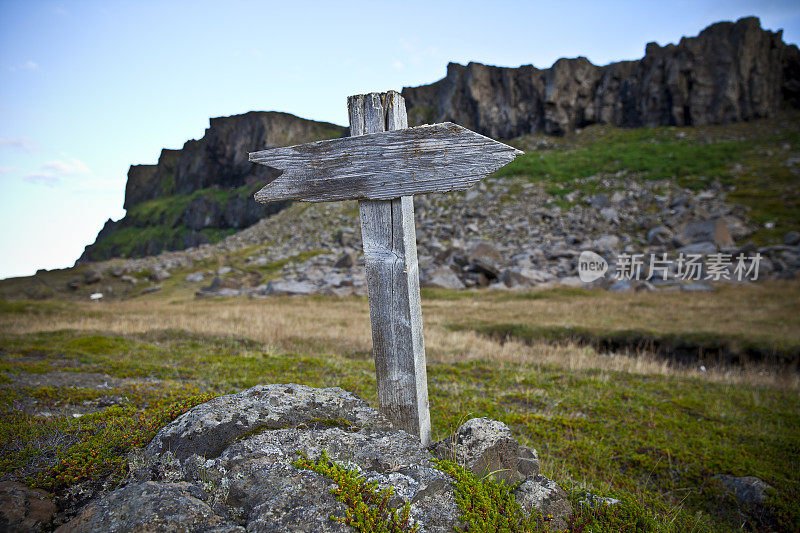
[(730, 72)]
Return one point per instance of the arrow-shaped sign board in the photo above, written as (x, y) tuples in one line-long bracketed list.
[(383, 165)]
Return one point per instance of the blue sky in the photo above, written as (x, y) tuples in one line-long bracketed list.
[(88, 88)]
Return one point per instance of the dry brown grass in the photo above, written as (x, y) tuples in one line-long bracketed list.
[(341, 326)]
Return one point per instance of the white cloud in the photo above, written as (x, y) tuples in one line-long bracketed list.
[(28, 65), (42, 178), (414, 52), (21, 143), (52, 172), (68, 167)]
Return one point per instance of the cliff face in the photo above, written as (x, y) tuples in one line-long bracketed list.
[(730, 72), (203, 191)]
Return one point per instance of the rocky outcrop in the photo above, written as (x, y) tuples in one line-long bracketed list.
[(226, 465), (24, 509), (219, 158), (730, 72), (203, 191)]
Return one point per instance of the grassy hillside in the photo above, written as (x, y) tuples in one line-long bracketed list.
[(758, 163), (162, 221)]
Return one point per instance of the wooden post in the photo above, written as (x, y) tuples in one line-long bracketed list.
[(390, 260), (382, 165)]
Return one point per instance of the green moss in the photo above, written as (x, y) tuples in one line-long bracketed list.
[(488, 506), (342, 423), (368, 507)]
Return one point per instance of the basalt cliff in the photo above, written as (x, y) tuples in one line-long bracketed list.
[(730, 72), (203, 191)]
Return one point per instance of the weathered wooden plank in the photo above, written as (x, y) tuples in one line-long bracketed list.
[(383, 165), (390, 260)]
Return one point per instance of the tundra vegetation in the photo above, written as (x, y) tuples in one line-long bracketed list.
[(583, 376)]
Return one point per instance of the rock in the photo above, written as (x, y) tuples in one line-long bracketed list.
[(92, 276), (222, 283), (679, 201), (291, 288), (346, 260), (24, 509), (194, 277), (737, 227), (512, 278), (621, 285), (702, 248), (486, 446), (226, 466), (545, 496), (158, 275), (484, 252), (346, 237), (475, 279), (594, 501), (696, 287), (221, 287), (117, 271), (599, 201), (660, 235), (223, 292), (150, 506), (730, 72), (792, 238), (442, 278), (129, 279), (221, 271), (534, 275), (750, 491), (572, 281), (610, 214), (152, 288), (606, 243), (715, 231), (96, 296), (75, 284)]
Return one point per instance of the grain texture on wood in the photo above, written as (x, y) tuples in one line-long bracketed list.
[(383, 165), (390, 261)]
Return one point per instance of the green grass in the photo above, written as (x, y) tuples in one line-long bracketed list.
[(654, 152), (655, 442)]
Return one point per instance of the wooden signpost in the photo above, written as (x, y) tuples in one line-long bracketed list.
[(383, 164)]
